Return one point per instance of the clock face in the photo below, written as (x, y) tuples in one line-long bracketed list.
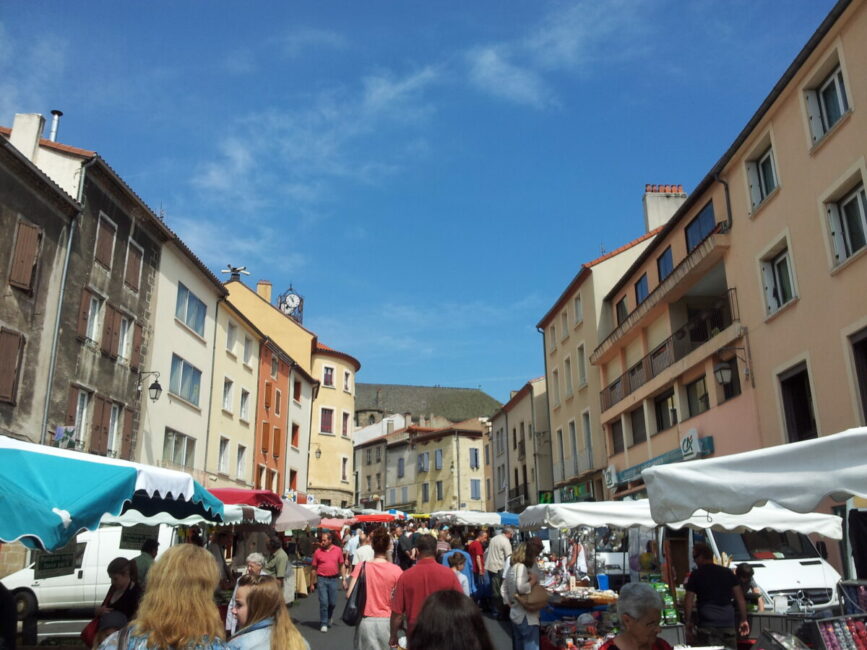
[(292, 301)]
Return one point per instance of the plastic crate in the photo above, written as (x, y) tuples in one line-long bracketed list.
[(830, 625)]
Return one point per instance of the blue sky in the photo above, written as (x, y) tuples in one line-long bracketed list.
[(429, 175)]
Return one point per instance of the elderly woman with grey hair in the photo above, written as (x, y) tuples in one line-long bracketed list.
[(255, 567), (639, 608)]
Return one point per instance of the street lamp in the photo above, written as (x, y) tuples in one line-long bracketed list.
[(318, 453), (722, 371), (154, 390)]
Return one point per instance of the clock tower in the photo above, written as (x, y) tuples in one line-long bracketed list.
[(291, 303)]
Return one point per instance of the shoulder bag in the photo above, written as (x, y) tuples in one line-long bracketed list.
[(354, 610)]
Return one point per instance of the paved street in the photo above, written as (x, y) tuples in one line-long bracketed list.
[(305, 613)]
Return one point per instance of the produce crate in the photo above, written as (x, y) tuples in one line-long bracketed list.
[(843, 632)]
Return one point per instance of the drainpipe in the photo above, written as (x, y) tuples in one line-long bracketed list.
[(728, 225), (213, 388), (548, 407), (534, 437), (508, 466), (458, 466), (73, 223)]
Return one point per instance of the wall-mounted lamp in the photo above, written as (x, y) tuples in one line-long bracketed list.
[(722, 371), (318, 452), (154, 390), (452, 467)]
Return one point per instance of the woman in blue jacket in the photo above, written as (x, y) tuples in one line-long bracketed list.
[(263, 618)]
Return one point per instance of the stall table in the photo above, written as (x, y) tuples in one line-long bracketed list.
[(303, 579)]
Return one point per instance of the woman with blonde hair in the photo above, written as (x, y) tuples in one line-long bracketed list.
[(263, 618), (178, 609)]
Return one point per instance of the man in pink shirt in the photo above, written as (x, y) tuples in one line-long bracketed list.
[(416, 584), (329, 567)]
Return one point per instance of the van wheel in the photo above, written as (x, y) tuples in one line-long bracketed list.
[(25, 605)]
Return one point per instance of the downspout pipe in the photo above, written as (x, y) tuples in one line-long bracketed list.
[(73, 224), (213, 386), (719, 179), (548, 407)]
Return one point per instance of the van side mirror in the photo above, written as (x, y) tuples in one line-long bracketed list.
[(823, 549)]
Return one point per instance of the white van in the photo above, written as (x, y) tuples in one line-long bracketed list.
[(87, 586), (784, 564)]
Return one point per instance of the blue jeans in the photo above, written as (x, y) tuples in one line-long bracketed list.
[(525, 636), (327, 588)]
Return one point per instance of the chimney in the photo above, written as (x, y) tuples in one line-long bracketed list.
[(26, 133), (389, 426), (263, 288), (55, 123), (660, 204)]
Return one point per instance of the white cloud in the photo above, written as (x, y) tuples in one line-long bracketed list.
[(491, 71)]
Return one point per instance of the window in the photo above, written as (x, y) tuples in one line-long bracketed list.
[(114, 439), (278, 399), (639, 429), (848, 223), (423, 461), (762, 176), (275, 365), (827, 102), (616, 436), (588, 441), (555, 387), (487, 455), (552, 343), (700, 227), (346, 380), (190, 310), (621, 310), (664, 264), (578, 309), (564, 325), (244, 410), (582, 365), (293, 479), (560, 448), (132, 273), (438, 459), (400, 467), (487, 488), (231, 336), (124, 338), (475, 489), (474, 458), (378, 454), (344, 429), (185, 380), (798, 404), (567, 375), (777, 279), (391, 497), (228, 385), (296, 390), (344, 469), (106, 230), (223, 458), (859, 356), (425, 492), (368, 480), (242, 460), (733, 388), (666, 414), (76, 418), (439, 485), (573, 441), (696, 397), (266, 437), (93, 306), (178, 449), (641, 289), (248, 350), (22, 270), (328, 376), (404, 494), (11, 354), (326, 420)]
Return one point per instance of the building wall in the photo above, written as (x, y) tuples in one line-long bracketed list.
[(271, 420), (331, 476), (397, 485), (370, 465), (299, 413), (228, 422), (174, 414), (500, 460)]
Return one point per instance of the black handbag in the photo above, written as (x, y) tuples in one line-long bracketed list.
[(354, 610)]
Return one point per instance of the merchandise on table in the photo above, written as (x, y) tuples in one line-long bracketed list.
[(843, 633)]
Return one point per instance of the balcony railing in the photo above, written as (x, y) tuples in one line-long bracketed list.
[(520, 491), (695, 333)]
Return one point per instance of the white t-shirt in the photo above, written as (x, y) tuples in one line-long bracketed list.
[(363, 553)]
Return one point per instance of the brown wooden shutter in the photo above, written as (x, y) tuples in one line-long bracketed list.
[(267, 394), (72, 408), (115, 333), (104, 242), (103, 429), (278, 441), (96, 442), (107, 328), (137, 335), (266, 438), (11, 347), (24, 256), (83, 311), (133, 267), (126, 444)]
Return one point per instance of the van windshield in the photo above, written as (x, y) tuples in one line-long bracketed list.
[(765, 545)]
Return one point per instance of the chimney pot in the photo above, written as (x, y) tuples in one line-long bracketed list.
[(26, 133), (263, 288), (647, 188), (55, 124)]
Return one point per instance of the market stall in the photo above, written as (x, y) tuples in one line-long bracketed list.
[(467, 517), (48, 495)]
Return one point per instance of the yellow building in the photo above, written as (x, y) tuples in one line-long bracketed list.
[(232, 429)]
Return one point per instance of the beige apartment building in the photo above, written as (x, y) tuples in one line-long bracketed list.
[(523, 439), (744, 323), (570, 331)]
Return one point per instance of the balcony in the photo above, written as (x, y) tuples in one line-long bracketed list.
[(696, 332), (522, 450), (520, 494)]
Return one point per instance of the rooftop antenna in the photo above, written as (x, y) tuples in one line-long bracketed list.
[(235, 272)]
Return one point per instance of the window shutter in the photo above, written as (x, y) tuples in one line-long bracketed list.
[(267, 394), (11, 347), (24, 256), (104, 242), (126, 443), (278, 442), (836, 226), (266, 438), (768, 286), (96, 419), (72, 409), (136, 346), (115, 333), (814, 114), (133, 267), (108, 329), (755, 187), (83, 311)]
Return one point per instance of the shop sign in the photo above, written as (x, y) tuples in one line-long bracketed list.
[(705, 447), (689, 444), (573, 493), (609, 475), (61, 562), (546, 496), (132, 537)]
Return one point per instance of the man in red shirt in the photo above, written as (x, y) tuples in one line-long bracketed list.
[(476, 549), (416, 584), (329, 567)]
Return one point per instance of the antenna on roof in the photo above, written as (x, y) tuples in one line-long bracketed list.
[(235, 271), (602, 250)]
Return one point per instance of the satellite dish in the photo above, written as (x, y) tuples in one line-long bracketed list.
[(235, 271)]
